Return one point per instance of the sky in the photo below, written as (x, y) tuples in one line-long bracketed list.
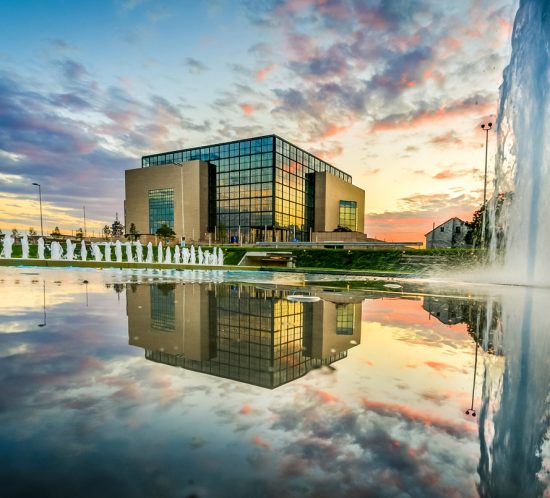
[(391, 92)]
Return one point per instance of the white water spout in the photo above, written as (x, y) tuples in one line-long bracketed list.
[(149, 257), (56, 251), (129, 256), (40, 248), (107, 251), (70, 250), (25, 247), (83, 250), (98, 256), (139, 251), (159, 253), (518, 210), (8, 245), (118, 251)]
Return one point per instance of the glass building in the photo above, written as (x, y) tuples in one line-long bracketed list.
[(262, 188)]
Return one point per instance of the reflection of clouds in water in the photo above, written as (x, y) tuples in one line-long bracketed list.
[(378, 449), (84, 401)]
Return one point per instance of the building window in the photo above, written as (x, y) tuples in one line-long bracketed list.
[(348, 215), (442, 229), (163, 307), (344, 319), (161, 208), (457, 229)]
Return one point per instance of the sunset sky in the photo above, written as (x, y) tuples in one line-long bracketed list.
[(390, 91)]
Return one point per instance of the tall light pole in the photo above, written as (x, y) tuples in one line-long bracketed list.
[(486, 128), (40, 198)]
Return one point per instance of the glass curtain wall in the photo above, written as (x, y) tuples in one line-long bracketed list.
[(295, 190), (264, 187), (161, 208)]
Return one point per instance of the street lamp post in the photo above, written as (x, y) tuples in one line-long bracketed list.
[(40, 198), (485, 128)]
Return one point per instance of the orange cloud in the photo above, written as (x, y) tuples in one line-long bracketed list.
[(428, 419), (245, 410), (327, 397), (431, 117), (332, 130), (263, 72), (445, 175), (258, 441), (247, 109)]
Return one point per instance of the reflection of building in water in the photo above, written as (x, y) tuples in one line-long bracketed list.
[(447, 310), (475, 313), (241, 332)]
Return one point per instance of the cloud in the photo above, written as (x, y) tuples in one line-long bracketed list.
[(73, 70), (247, 109), (195, 66), (445, 139), (262, 73), (476, 105), (448, 174)]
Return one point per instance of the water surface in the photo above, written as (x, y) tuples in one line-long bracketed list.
[(150, 384)]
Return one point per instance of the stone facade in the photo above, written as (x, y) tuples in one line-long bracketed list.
[(447, 235)]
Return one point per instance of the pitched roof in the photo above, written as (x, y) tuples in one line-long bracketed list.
[(445, 222)]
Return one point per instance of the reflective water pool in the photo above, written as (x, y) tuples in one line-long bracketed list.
[(148, 384)]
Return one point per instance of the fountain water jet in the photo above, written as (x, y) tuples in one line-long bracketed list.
[(159, 253), (25, 247), (70, 250), (83, 250), (149, 257), (519, 207), (118, 251), (107, 251), (56, 251), (129, 256), (139, 252), (8, 245), (40, 248), (98, 256)]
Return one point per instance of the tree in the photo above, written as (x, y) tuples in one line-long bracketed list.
[(222, 232), (473, 237), (117, 228), (79, 233), (134, 235), (32, 234), (14, 233), (165, 232), (341, 228), (56, 233), (106, 232)]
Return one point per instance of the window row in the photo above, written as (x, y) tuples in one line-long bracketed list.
[(213, 152)]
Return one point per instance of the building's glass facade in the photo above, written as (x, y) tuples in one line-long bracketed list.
[(161, 208), (163, 307), (348, 215), (264, 187)]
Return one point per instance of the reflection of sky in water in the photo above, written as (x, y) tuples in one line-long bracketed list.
[(82, 412)]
